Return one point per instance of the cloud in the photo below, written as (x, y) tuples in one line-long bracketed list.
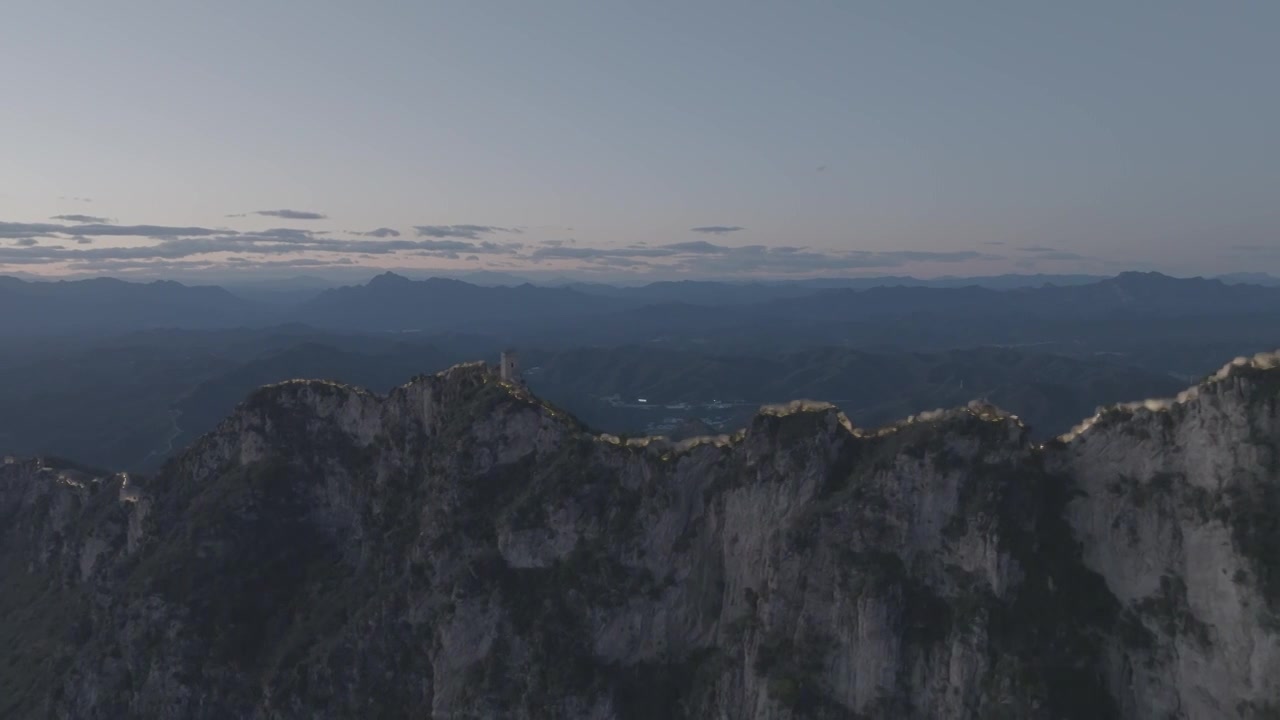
[(22, 230), (467, 232), (153, 267), (441, 254), (154, 231), (276, 241), (757, 258), (585, 253), (11, 229), (697, 246), (716, 229), (75, 199), (621, 262), (933, 256), (291, 214), (1059, 255), (436, 245), (701, 256), (287, 234), (1047, 253), (74, 246), (81, 218)]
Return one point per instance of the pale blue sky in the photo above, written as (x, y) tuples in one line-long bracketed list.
[(894, 137)]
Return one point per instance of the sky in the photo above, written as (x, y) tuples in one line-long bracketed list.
[(650, 139)]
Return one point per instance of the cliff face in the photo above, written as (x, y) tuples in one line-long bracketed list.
[(1179, 512), (459, 549)]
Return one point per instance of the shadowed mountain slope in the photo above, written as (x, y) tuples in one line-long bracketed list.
[(459, 548)]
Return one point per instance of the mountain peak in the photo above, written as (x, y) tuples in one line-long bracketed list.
[(1136, 278), (1262, 367), (388, 278)]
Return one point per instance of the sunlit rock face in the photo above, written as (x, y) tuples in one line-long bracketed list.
[(1180, 513), (460, 549)]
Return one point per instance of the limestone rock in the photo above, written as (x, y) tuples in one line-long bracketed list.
[(458, 549)]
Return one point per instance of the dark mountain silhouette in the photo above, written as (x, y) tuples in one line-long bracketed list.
[(1250, 278), (105, 305), (1012, 281), (1128, 292), (390, 302), (1125, 312), (709, 292), (1129, 308)]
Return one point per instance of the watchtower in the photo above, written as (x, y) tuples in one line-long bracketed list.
[(509, 367)]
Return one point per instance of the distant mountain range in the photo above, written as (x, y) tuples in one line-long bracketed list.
[(803, 311), (390, 302), (1250, 279), (172, 358), (108, 305)]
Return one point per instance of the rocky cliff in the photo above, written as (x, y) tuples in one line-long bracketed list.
[(459, 549)]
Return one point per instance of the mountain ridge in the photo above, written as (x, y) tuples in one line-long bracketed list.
[(459, 547), (1265, 363), (393, 303)]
